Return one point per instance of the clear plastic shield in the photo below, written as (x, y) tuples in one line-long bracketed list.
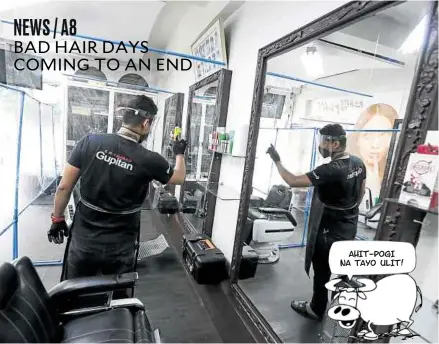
[(47, 146), (10, 110), (30, 156)]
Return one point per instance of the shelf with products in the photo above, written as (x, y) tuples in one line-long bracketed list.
[(227, 153), (231, 143), (221, 191), (396, 201)]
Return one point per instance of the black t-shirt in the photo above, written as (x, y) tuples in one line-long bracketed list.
[(115, 174), (338, 185)]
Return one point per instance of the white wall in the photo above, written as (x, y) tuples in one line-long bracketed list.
[(253, 26)]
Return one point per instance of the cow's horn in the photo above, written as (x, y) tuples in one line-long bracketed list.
[(369, 285), (331, 284)]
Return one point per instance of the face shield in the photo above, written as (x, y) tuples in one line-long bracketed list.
[(144, 114), (329, 145)]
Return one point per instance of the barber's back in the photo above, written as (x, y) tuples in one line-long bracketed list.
[(341, 193)]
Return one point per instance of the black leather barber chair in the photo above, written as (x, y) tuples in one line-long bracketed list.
[(369, 214), (269, 221), (30, 314)]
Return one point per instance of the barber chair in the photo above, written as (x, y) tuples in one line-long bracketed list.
[(373, 216), (78, 310), (365, 205), (269, 222), (369, 214)]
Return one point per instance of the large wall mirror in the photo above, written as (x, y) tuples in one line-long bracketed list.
[(207, 113), (160, 138), (357, 67)]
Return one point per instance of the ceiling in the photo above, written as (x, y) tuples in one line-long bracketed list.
[(382, 34), (152, 21)]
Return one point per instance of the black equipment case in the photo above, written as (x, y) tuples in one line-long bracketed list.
[(205, 262), (167, 204), (190, 203), (249, 263)]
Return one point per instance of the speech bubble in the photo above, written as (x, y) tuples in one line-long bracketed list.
[(353, 258)]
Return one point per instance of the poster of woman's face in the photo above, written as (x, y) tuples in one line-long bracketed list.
[(371, 142)]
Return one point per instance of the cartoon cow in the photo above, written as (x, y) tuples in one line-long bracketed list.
[(390, 301)]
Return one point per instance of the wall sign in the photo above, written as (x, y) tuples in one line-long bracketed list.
[(338, 110), (209, 45)]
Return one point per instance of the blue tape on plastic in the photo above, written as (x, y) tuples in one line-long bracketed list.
[(48, 263), (17, 180), (54, 151), (41, 146), (11, 88), (293, 128), (282, 76), (120, 84), (155, 50)]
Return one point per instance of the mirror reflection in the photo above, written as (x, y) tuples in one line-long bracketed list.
[(202, 121), (359, 79), (171, 126)]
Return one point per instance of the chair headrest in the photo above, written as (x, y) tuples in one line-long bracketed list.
[(9, 283)]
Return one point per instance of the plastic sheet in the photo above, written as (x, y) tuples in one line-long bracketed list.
[(263, 163), (299, 152), (59, 132), (87, 112), (10, 111), (6, 246), (295, 147), (47, 146), (30, 185)]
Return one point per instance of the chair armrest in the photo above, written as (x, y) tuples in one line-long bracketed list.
[(279, 211), (95, 284), (374, 211), (256, 202)]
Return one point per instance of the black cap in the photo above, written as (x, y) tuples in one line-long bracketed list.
[(140, 102), (334, 130)]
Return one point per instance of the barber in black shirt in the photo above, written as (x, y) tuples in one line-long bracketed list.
[(115, 172), (340, 186)]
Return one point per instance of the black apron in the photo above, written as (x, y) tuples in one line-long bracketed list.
[(75, 222), (315, 216), (315, 221)]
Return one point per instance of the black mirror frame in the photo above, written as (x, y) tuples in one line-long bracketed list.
[(422, 106), (224, 78), (397, 125)]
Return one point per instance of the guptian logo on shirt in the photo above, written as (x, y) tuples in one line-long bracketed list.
[(113, 160), (355, 173)]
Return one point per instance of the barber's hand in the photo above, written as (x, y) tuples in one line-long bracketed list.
[(274, 155), (58, 231), (179, 147)]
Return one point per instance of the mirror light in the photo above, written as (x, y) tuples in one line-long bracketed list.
[(313, 62), (414, 40)]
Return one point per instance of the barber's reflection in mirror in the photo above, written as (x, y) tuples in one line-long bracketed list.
[(340, 186)]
